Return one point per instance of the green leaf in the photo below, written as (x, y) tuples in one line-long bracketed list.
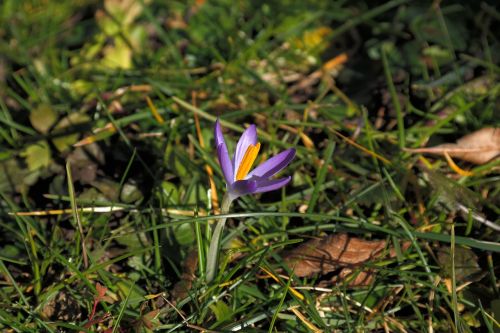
[(184, 234), (9, 251), (37, 156), (118, 55), (465, 262), (92, 195), (221, 311), (130, 193), (108, 187), (128, 288), (171, 192), (132, 239), (42, 118), (14, 178)]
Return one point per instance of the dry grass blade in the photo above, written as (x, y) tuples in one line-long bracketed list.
[(154, 111), (360, 147), (291, 289), (478, 147), (304, 320), (455, 167), (76, 215)]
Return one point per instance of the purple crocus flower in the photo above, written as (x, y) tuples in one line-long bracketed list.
[(239, 179)]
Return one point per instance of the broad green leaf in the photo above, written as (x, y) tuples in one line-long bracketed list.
[(130, 193), (42, 118), (118, 55), (92, 195), (37, 156), (133, 239), (466, 262), (125, 288), (171, 192), (108, 187), (221, 311), (184, 234)]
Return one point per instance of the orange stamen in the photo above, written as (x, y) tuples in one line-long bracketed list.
[(247, 161)]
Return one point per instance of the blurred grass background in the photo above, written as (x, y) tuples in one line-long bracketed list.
[(99, 150)]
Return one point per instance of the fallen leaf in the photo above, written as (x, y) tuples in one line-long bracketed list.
[(37, 155), (452, 193), (130, 193), (221, 311), (42, 118), (324, 255), (148, 318), (63, 307), (15, 178), (117, 56), (108, 187), (338, 251), (127, 288), (355, 278), (124, 11), (465, 260), (478, 147), (85, 162), (181, 288)]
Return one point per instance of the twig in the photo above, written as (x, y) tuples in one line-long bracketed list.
[(478, 217)]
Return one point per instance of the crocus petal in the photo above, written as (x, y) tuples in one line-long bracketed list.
[(219, 138), (265, 185), (243, 187), (273, 165), (249, 137), (225, 162)]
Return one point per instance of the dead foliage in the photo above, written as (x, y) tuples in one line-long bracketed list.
[(321, 256), (478, 147), (189, 265), (63, 306)]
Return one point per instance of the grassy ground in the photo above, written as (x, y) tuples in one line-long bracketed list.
[(99, 148)]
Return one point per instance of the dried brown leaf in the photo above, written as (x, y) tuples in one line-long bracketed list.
[(182, 287), (464, 264), (353, 278), (338, 251), (148, 317), (477, 147), (325, 255), (62, 307)]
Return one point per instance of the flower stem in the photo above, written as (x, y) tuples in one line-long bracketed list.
[(213, 250)]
